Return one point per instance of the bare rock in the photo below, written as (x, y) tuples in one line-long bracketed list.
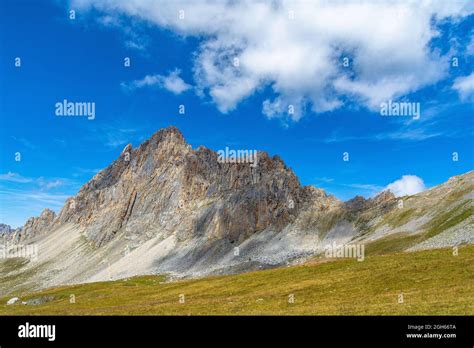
[(12, 301)]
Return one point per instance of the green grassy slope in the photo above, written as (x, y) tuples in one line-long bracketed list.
[(432, 282)]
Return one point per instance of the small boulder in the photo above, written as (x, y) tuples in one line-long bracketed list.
[(39, 301), (13, 300)]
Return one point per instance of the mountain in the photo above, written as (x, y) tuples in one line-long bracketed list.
[(165, 186), (5, 228), (164, 207), (34, 226)]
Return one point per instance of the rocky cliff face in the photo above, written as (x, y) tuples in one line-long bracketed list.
[(34, 226), (166, 186)]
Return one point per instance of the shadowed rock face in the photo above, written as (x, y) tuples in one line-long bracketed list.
[(166, 185)]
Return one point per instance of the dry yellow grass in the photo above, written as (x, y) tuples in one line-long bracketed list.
[(432, 283)]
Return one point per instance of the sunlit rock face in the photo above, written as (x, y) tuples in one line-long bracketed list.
[(164, 186)]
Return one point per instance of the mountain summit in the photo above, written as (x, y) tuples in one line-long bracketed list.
[(164, 187)]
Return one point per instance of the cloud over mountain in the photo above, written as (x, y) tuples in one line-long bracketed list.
[(297, 48), (407, 185)]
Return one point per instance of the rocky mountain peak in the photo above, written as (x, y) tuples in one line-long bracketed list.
[(4, 229), (170, 133), (383, 197), (47, 215), (383, 200), (356, 203), (164, 183), (34, 226)]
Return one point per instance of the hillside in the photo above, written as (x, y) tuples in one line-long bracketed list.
[(433, 282)]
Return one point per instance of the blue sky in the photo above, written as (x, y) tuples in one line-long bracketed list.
[(244, 105)]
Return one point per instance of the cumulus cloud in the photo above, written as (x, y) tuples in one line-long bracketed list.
[(407, 185), (464, 85), (297, 48), (171, 82)]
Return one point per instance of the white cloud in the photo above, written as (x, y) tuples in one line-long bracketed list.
[(55, 200), (406, 186), (49, 184), (324, 179), (23, 204), (14, 177), (470, 47), (370, 190), (296, 48), (172, 82), (464, 85), (405, 133), (117, 137), (41, 182), (78, 171)]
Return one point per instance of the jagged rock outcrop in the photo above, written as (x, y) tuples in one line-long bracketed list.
[(34, 226), (384, 200), (165, 184)]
